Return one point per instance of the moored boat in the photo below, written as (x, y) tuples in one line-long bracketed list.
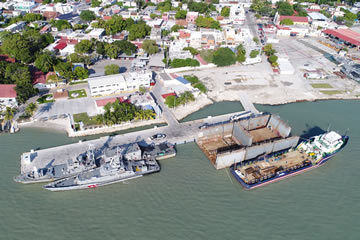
[(279, 165)]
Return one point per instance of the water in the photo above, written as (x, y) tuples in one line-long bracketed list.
[(189, 199)]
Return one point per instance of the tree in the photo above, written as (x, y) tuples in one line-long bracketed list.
[(176, 28), (153, 15), (9, 114), (87, 15), (17, 46), (112, 51), (224, 57), (60, 24), (30, 109), (45, 61), (207, 22), (100, 48), (95, 3), (181, 14), (188, 62), (286, 22), (254, 53), (65, 70), (225, 11), (125, 46), (112, 69), (139, 30), (268, 49), (284, 8), (142, 89), (84, 46), (170, 101), (31, 17), (261, 7), (81, 73), (256, 40), (273, 59), (192, 50), (150, 46)]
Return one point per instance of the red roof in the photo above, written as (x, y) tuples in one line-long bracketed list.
[(295, 19), (4, 57), (201, 60), (61, 46), (38, 77), (346, 35), (7, 91), (106, 17), (168, 94), (184, 34), (282, 27)]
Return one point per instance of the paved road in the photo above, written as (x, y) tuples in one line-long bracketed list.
[(167, 114)]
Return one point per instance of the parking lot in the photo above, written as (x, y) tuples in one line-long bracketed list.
[(51, 111), (97, 69)]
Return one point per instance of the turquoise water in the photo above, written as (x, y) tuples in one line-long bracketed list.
[(189, 199)]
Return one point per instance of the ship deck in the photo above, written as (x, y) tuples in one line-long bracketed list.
[(262, 134), (272, 165)]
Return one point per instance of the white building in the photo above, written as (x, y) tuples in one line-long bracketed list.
[(118, 83), (96, 33), (7, 96), (176, 50), (25, 5), (16, 26)]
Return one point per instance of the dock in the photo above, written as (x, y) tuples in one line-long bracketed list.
[(177, 133), (247, 104)]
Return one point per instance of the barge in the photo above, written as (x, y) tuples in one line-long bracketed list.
[(279, 165)]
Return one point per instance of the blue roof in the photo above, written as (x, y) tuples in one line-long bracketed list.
[(182, 80)]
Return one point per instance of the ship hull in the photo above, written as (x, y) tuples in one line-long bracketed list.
[(286, 174), (97, 184)]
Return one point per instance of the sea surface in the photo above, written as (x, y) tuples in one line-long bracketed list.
[(189, 199)]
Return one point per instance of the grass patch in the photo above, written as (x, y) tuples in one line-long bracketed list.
[(321, 85), (81, 93), (75, 83), (207, 55), (334, 92), (195, 82), (84, 117), (42, 99)]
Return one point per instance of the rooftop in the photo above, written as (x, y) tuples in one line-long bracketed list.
[(7, 91)]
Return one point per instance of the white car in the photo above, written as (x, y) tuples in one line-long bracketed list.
[(158, 136)]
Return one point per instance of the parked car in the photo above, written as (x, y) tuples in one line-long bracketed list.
[(158, 136), (205, 125)]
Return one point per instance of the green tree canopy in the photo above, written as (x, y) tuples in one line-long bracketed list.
[(285, 8), (273, 59), (254, 53), (45, 61), (87, 15), (225, 11), (176, 28), (31, 17), (81, 73), (224, 57), (84, 46), (112, 69), (150, 46), (138, 31), (65, 70), (125, 46), (192, 50), (60, 24), (95, 3), (207, 22), (188, 62), (268, 49), (181, 14)]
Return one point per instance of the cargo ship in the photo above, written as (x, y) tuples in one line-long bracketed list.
[(276, 166)]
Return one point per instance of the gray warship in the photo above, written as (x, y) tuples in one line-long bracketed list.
[(118, 164), (83, 162)]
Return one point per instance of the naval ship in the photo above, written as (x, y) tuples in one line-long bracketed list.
[(115, 167), (276, 166), (83, 162)]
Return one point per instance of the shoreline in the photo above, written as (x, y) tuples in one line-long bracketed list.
[(180, 113)]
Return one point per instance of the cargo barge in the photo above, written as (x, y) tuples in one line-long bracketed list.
[(279, 165)]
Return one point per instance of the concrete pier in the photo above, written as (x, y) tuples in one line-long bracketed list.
[(246, 103), (177, 133)]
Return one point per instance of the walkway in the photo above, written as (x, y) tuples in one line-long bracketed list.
[(246, 103)]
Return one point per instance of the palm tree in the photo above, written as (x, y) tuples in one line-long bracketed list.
[(30, 109), (9, 114)]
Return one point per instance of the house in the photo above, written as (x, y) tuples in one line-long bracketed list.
[(296, 19), (25, 5), (7, 96), (318, 20), (176, 50), (40, 80), (15, 27), (100, 103), (6, 58), (96, 33), (191, 17)]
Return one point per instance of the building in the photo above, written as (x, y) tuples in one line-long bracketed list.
[(16, 26), (191, 17), (96, 33), (318, 20), (7, 96), (118, 83), (346, 35), (296, 19), (25, 5)]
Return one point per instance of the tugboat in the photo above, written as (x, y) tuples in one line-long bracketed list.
[(83, 162), (307, 155), (115, 169)]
